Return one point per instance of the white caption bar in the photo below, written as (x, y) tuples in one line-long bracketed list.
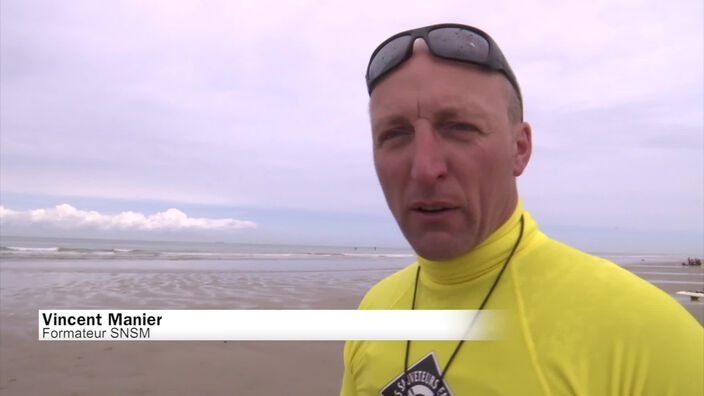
[(96, 325)]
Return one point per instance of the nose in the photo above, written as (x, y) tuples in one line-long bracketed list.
[(429, 162)]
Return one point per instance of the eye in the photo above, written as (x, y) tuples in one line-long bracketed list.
[(392, 135), (459, 130), (460, 126)]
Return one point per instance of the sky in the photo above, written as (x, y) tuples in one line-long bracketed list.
[(247, 121)]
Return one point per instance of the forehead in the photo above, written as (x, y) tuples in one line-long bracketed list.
[(427, 84)]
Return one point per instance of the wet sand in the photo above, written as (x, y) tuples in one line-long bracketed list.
[(30, 367)]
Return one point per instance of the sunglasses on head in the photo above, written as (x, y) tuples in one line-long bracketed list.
[(449, 41)]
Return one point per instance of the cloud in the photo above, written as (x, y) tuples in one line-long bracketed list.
[(221, 104), (65, 216)]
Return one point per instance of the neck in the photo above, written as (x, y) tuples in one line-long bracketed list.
[(486, 257)]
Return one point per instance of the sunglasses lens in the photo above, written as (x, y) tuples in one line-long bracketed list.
[(460, 44), (388, 57)]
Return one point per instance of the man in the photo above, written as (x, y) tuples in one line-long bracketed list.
[(449, 141)]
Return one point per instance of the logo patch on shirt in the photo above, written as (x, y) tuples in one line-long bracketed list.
[(423, 379)]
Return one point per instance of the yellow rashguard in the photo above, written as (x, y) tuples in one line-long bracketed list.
[(576, 325)]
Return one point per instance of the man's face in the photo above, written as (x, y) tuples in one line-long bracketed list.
[(446, 153)]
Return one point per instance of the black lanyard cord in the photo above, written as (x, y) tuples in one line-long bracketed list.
[(481, 307)]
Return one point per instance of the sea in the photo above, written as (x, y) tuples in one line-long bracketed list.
[(66, 273), (19, 247)]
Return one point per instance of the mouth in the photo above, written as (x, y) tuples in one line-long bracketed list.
[(432, 208)]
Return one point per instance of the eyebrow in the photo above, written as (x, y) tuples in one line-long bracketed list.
[(448, 113), (389, 120), (442, 114)]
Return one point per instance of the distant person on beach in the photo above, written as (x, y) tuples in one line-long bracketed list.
[(449, 141)]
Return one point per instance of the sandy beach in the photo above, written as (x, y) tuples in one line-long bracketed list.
[(30, 367)]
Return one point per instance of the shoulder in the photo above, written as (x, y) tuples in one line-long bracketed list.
[(557, 275), (562, 269), (392, 291), (576, 304)]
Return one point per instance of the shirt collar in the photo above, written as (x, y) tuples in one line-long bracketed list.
[(487, 256)]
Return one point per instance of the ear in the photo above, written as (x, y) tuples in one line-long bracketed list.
[(523, 146)]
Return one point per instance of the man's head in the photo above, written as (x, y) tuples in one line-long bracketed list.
[(449, 143)]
